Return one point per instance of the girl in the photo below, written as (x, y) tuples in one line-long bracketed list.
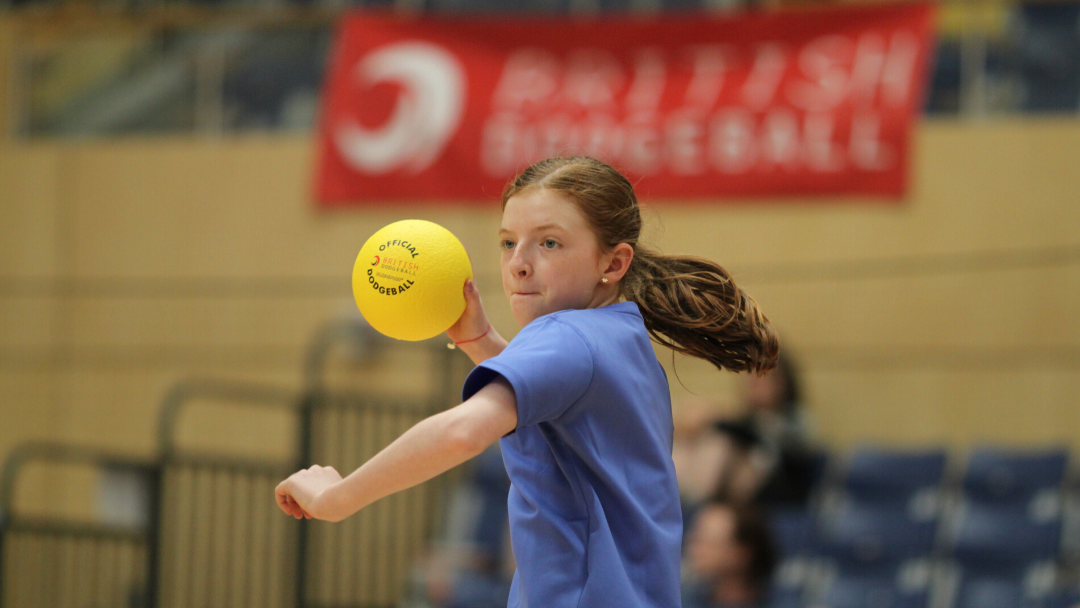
[(578, 398)]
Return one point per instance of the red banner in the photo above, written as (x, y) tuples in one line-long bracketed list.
[(796, 102)]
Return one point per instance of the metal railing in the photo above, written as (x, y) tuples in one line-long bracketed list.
[(223, 541), (212, 534), (59, 562)]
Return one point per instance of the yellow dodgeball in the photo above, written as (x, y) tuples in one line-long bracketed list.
[(408, 280)]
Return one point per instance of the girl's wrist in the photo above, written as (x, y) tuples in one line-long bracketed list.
[(455, 343), (327, 504), (488, 346)]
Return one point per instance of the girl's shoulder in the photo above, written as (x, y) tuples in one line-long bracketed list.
[(608, 329)]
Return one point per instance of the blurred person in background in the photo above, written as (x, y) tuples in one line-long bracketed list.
[(730, 557), (761, 455)]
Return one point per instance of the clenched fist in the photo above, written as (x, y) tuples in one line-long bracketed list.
[(303, 494)]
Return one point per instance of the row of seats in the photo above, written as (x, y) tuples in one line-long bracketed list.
[(901, 529)]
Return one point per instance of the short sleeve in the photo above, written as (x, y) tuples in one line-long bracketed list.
[(548, 364)]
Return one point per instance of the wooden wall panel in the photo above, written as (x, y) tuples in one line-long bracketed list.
[(113, 409), (208, 322), (946, 407), (30, 191), (993, 309), (219, 208), (27, 397), (27, 325)]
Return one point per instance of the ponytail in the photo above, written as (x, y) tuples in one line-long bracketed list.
[(692, 305)]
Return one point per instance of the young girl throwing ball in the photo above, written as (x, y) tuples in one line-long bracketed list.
[(577, 398)]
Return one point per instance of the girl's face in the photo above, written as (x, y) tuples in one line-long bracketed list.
[(551, 259)]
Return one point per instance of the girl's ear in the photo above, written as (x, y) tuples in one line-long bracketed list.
[(620, 258)]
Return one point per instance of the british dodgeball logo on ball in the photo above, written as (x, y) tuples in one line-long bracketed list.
[(408, 279), (396, 269)]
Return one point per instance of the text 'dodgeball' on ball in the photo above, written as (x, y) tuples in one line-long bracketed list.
[(408, 279)]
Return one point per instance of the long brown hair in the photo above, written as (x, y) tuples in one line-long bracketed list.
[(689, 304)]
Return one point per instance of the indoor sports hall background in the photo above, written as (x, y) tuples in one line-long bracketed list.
[(177, 330)]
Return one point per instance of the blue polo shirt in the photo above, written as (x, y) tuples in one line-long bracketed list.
[(594, 504)]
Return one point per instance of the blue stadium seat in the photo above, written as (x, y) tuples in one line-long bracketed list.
[(793, 530), (789, 584), (1007, 586), (866, 534), (987, 592), (1060, 599), (993, 534), (1002, 476), (893, 476), (785, 599), (904, 585)]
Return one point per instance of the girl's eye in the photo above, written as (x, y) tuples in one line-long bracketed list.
[(550, 244), (506, 244)]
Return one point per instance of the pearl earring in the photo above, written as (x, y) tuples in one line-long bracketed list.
[(603, 279)]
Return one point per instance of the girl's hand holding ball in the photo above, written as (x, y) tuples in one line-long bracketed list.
[(473, 331), (473, 321)]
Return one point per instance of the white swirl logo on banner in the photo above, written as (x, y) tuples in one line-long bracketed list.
[(427, 113)]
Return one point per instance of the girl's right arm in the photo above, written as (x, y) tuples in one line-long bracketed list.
[(431, 447), (473, 323)]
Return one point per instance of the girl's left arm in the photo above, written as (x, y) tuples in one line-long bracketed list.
[(432, 446)]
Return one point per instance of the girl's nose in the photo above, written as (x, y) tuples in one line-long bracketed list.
[(519, 266)]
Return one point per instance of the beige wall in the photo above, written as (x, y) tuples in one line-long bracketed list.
[(128, 264)]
